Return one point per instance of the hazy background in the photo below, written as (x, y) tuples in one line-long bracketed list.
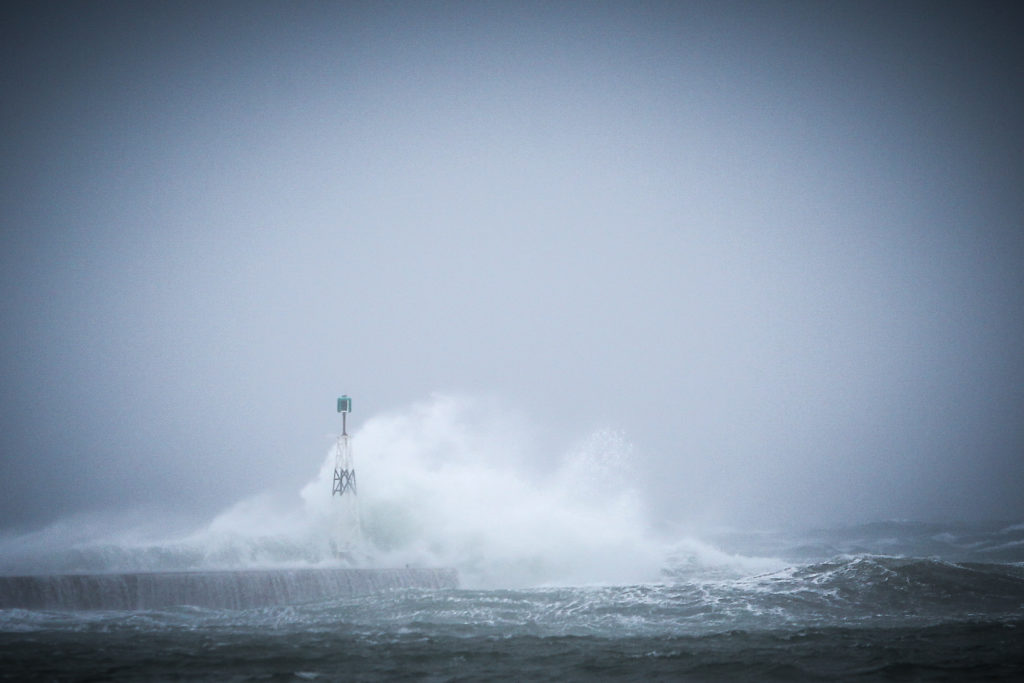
[(778, 245)]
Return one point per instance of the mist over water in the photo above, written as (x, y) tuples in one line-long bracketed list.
[(777, 245), (744, 277)]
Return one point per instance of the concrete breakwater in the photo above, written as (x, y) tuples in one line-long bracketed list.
[(216, 589)]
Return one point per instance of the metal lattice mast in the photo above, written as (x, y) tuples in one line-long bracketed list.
[(347, 535), (344, 468)]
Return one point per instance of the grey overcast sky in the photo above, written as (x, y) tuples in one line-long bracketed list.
[(778, 244)]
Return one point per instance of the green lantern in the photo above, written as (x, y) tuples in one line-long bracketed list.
[(344, 404)]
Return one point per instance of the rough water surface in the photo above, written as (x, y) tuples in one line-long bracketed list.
[(716, 613)]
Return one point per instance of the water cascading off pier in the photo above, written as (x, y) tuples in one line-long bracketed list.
[(240, 589)]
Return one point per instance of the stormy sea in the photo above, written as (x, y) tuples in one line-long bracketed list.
[(471, 569), (887, 601)]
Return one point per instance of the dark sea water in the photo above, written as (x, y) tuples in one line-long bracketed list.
[(890, 601)]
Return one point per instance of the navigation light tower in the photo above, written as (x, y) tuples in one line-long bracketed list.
[(348, 536), (344, 469)]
